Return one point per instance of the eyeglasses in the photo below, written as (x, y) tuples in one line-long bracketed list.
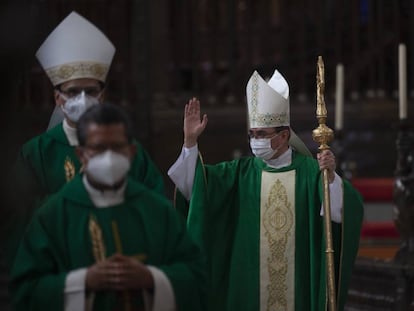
[(262, 134), (100, 148), (93, 91)]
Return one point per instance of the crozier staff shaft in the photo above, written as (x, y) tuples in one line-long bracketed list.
[(323, 135)]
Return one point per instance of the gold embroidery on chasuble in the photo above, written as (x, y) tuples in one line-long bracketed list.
[(277, 241), (70, 170), (98, 244)]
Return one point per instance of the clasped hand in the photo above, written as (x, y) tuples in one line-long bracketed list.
[(118, 272)]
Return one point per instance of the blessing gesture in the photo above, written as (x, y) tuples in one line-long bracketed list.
[(194, 125)]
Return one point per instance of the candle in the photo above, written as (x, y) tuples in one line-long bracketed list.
[(339, 104), (402, 80)]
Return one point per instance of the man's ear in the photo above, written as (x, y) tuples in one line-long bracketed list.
[(132, 151), (80, 154), (102, 96), (287, 133), (58, 98)]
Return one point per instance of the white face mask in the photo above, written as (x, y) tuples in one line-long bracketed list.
[(74, 107), (108, 168), (262, 147)]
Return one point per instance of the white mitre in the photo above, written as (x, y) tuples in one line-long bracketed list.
[(268, 106), (76, 49)]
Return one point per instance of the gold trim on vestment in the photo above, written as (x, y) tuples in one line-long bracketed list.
[(98, 244), (69, 168), (277, 241)]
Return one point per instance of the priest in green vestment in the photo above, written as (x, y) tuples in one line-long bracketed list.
[(260, 219), (76, 57), (105, 241)]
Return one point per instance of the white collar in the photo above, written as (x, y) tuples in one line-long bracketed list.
[(70, 133), (105, 198), (285, 159)]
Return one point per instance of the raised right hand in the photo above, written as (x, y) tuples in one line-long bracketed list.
[(193, 124)]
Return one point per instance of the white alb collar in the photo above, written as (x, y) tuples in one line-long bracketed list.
[(70, 133), (105, 198), (285, 159)]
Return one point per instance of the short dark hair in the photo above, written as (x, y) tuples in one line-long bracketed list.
[(103, 114), (278, 129), (282, 128), (58, 86)]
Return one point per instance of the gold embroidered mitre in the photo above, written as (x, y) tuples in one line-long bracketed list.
[(267, 103), (76, 49), (268, 106)]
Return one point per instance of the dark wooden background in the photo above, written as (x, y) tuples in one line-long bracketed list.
[(169, 51)]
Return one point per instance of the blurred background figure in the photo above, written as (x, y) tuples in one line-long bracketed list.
[(168, 52)]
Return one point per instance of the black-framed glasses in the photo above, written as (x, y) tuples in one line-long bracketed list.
[(260, 134), (100, 148), (93, 91)]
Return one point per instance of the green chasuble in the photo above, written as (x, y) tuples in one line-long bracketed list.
[(45, 164), (262, 231), (58, 240), (49, 162)]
